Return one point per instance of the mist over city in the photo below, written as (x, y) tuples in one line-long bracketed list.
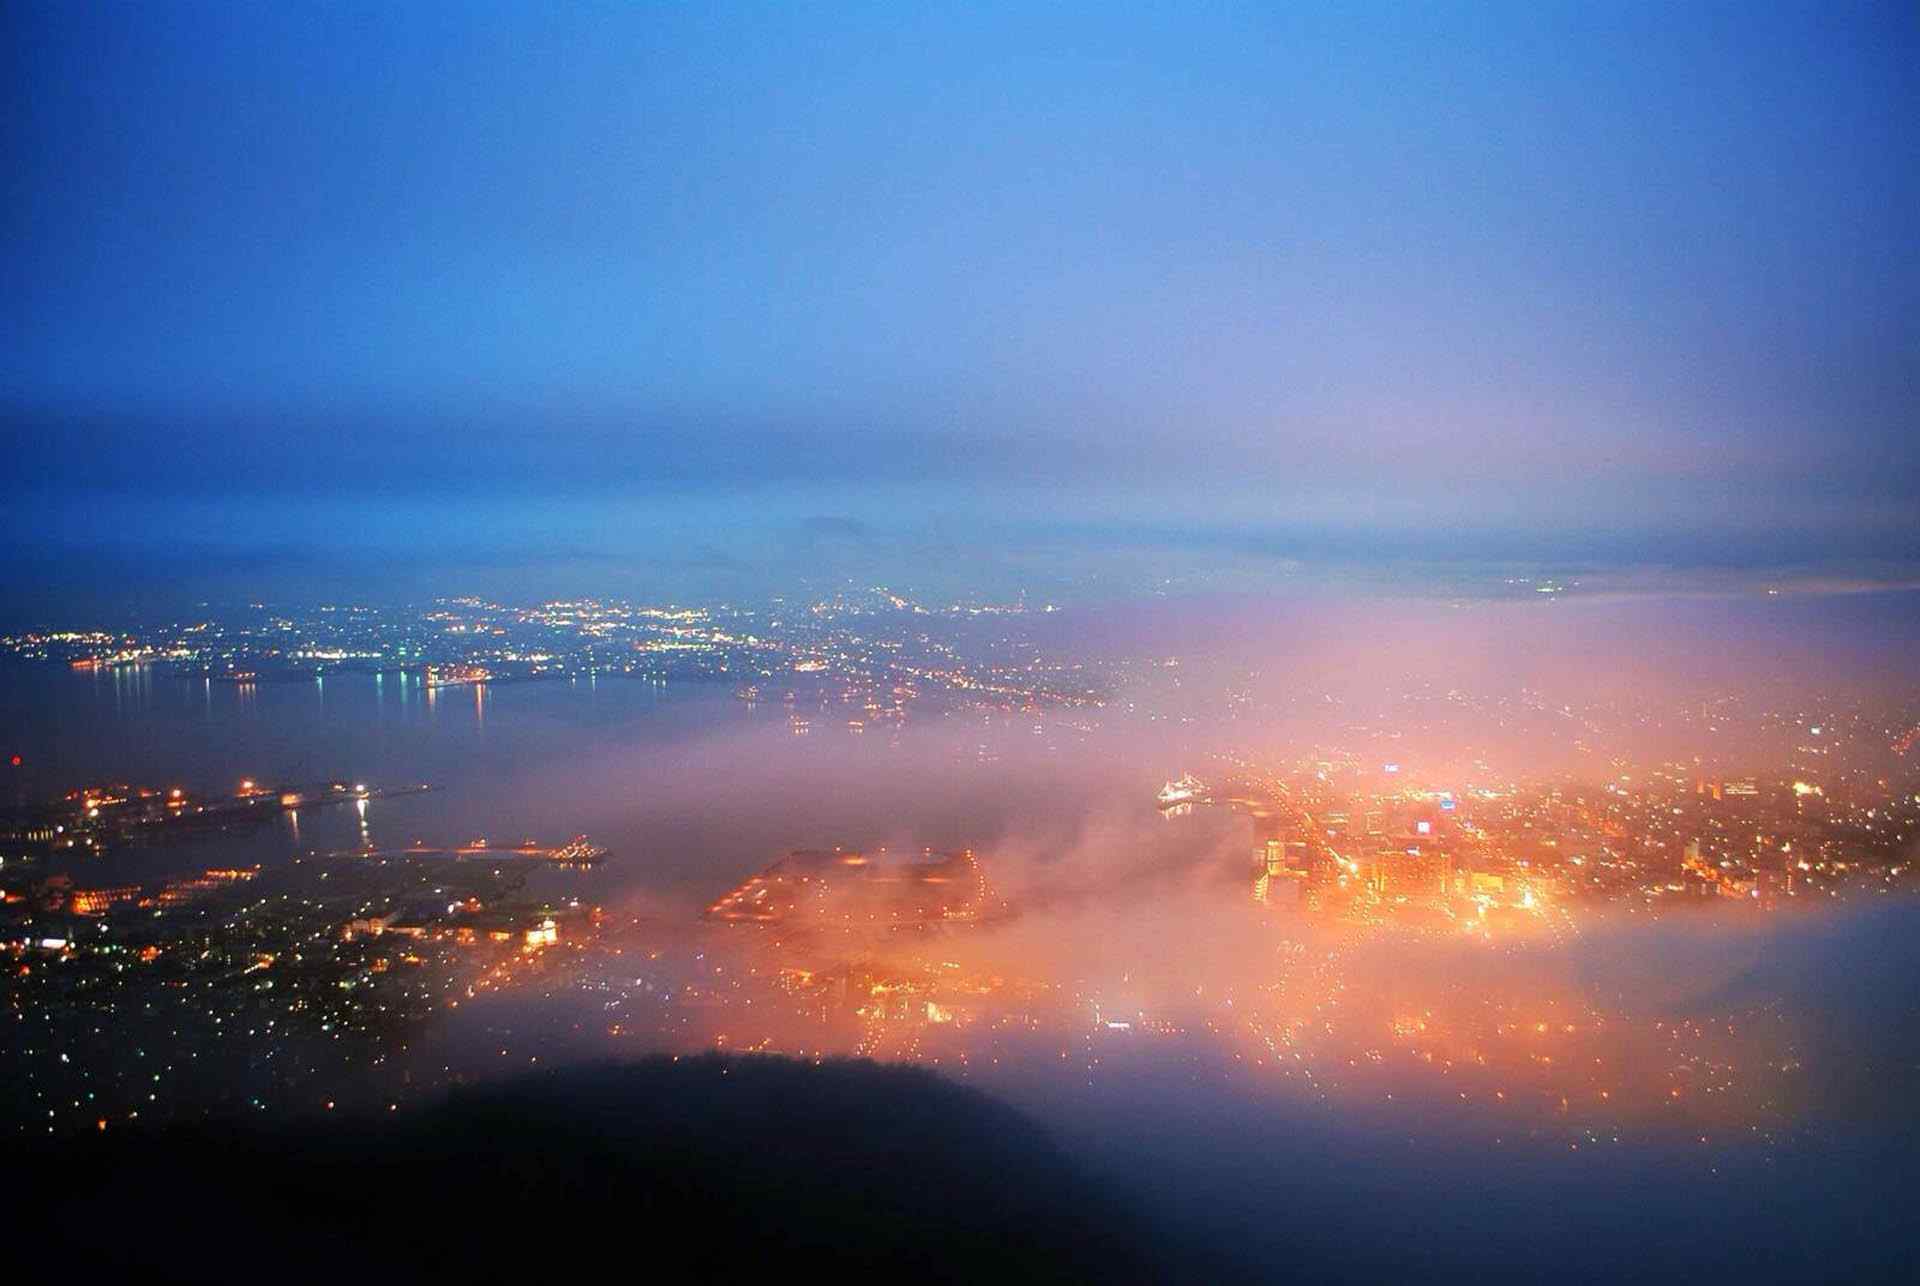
[(1111, 643)]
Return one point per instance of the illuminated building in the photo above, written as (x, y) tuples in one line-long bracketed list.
[(854, 890), (180, 892), (98, 901), (1413, 873)]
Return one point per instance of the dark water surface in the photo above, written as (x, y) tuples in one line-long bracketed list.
[(687, 786)]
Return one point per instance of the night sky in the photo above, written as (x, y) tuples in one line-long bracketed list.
[(704, 286)]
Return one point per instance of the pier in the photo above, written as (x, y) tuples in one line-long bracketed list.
[(578, 851)]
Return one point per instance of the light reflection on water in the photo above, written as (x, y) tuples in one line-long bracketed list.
[(686, 785)]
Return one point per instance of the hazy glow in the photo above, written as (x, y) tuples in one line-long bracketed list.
[(1341, 282)]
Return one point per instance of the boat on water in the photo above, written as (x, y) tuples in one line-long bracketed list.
[(1186, 789)]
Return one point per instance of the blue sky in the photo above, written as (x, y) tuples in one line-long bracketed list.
[(1612, 282)]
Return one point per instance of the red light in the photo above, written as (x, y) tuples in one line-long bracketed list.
[(16, 761)]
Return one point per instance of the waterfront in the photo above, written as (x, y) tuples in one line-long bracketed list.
[(688, 787), (1598, 968)]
